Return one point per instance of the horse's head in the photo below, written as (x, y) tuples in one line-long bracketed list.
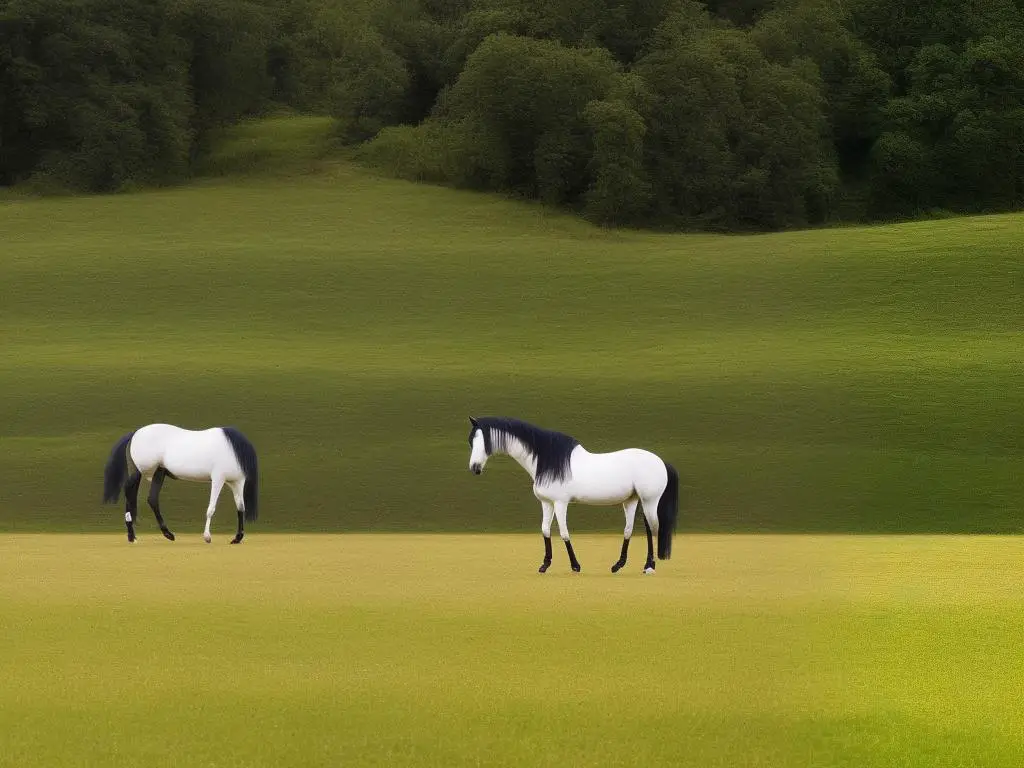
[(478, 448)]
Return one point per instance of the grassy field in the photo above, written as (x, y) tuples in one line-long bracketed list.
[(862, 381), (859, 380), (450, 650)]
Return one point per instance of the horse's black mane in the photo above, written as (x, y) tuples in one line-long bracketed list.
[(551, 449)]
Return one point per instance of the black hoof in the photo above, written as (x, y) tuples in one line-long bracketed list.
[(131, 539), (618, 566), (576, 567), (236, 540), (543, 567), (168, 535), (649, 568)]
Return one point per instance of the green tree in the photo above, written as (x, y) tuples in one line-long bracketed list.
[(733, 140), (420, 33), (956, 135), (742, 13), (619, 191), (368, 84), (896, 29), (95, 94), (623, 27), (857, 89), (228, 41), (528, 98)]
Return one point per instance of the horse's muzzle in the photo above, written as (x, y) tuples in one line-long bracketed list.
[(476, 469)]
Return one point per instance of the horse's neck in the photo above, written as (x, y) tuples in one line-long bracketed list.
[(523, 456)]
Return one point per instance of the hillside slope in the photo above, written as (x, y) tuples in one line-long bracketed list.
[(840, 380)]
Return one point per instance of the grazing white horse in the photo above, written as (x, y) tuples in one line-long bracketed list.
[(221, 455), (563, 471)]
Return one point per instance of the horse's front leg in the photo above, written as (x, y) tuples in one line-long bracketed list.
[(545, 529), (561, 508), (216, 483), (629, 507)]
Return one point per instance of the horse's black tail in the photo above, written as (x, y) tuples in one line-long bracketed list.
[(246, 456), (116, 470), (668, 511)]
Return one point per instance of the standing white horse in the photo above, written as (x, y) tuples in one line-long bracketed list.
[(221, 455), (563, 471)]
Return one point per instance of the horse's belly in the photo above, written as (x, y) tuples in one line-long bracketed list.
[(600, 490), (604, 500), (197, 459), (190, 472), (185, 465)]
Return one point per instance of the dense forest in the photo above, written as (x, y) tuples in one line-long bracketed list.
[(727, 115)]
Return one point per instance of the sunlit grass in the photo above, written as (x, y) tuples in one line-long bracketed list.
[(431, 650)]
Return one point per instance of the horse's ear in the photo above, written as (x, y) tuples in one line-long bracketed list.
[(473, 422)]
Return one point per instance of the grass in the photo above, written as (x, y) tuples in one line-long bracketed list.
[(861, 380), (858, 380), (299, 650), (281, 144)]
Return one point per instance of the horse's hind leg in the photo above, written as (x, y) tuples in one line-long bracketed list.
[(131, 503), (236, 491), (651, 524), (629, 508), (154, 500), (649, 565), (216, 483)]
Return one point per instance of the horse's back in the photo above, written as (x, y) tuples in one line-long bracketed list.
[(186, 453), (161, 433), (609, 478)]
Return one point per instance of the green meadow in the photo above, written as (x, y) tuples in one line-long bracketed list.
[(857, 380), (450, 650), (839, 404)]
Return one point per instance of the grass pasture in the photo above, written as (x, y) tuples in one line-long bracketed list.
[(450, 650), (385, 609), (859, 380)]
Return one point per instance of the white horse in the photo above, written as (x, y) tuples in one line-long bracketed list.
[(221, 455), (563, 471)]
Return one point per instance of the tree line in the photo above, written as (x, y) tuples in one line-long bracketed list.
[(727, 114)]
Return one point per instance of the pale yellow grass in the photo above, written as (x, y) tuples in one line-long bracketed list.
[(738, 570), (452, 650)]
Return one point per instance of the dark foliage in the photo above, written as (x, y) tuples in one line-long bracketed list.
[(745, 114)]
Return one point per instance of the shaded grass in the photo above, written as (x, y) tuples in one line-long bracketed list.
[(845, 380), (284, 143), (372, 650)]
